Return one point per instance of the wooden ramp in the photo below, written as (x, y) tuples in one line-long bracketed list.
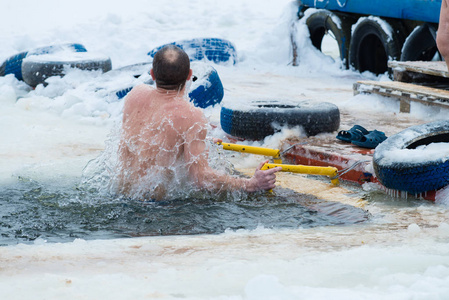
[(433, 68), (423, 82)]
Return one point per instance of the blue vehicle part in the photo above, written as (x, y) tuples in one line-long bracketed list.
[(213, 49), (417, 10), (13, 65), (414, 176)]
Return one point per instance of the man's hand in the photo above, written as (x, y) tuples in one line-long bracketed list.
[(263, 180)]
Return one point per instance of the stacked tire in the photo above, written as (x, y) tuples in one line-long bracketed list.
[(259, 119), (35, 66)]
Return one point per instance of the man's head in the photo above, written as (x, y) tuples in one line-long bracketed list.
[(171, 68)]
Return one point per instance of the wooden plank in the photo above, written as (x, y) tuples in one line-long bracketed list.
[(405, 92), (434, 68)]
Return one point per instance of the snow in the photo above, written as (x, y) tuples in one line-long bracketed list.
[(66, 56), (50, 133), (438, 152)]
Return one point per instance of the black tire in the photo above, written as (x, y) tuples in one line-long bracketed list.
[(323, 21), (206, 89), (420, 44), (36, 69), (371, 46), (263, 118), (13, 65), (413, 176)]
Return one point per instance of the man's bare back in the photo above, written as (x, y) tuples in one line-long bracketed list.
[(163, 147)]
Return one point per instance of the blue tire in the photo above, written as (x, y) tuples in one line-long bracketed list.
[(212, 49), (13, 65), (418, 175), (259, 119), (136, 70), (207, 89)]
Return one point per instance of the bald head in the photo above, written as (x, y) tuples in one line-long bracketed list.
[(171, 67)]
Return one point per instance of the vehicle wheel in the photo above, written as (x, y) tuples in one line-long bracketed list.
[(37, 68), (373, 43), (212, 49), (13, 65), (398, 168), (206, 89), (324, 22), (259, 119), (420, 44)]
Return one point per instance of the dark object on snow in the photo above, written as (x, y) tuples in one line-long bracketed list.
[(421, 44), (415, 176), (371, 46), (13, 65), (361, 137), (263, 118), (323, 21), (36, 70)]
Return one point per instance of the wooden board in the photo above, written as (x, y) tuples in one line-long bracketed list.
[(434, 68), (405, 92)]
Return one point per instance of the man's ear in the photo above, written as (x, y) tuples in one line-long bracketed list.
[(152, 75), (190, 74)]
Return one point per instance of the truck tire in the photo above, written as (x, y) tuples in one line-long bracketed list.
[(37, 68), (420, 45), (321, 22), (373, 44), (415, 175), (259, 119), (13, 65)]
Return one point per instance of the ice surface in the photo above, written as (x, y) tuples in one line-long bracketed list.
[(50, 133)]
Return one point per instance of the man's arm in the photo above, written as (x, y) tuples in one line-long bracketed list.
[(196, 156)]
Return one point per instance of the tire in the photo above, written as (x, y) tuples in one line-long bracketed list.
[(323, 21), (136, 70), (414, 175), (260, 119), (13, 65), (420, 45), (206, 89), (372, 46), (37, 68), (212, 49)]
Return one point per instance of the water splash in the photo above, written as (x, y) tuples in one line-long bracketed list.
[(104, 173)]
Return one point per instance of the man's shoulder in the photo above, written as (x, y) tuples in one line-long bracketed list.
[(187, 114)]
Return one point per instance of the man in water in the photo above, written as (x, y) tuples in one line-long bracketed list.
[(443, 32), (163, 143)]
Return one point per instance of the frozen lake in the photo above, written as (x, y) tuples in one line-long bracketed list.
[(49, 135)]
